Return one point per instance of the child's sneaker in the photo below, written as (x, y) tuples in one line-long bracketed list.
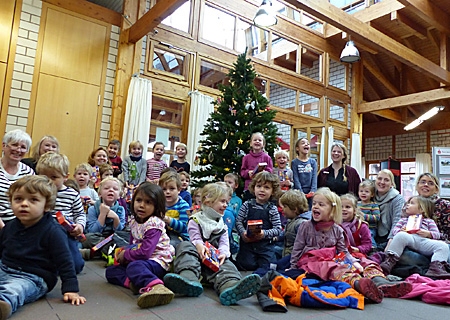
[(157, 295), (243, 289), (5, 310), (180, 285)]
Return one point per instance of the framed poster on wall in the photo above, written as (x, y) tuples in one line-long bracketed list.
[(441, 168)]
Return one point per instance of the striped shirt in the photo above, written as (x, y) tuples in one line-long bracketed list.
[(274, 217), (427, 224), (154, 168), (6, 180), (68, 201)]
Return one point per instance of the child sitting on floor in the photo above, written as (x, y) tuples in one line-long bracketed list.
[(208, 226), (144, 263), (33, 248), (56, 167)]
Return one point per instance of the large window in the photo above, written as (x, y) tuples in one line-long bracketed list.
[(180, 19), (167, 118)]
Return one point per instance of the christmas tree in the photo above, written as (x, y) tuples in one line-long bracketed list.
[(240, 111)]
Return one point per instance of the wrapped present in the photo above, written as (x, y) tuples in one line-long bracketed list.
[(212, 257)]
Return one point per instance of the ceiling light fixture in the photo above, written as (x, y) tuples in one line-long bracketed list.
[(350, 53), (162, 113), (265, 16), (427, 115)]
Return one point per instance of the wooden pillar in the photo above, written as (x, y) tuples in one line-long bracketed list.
[(128, 63)]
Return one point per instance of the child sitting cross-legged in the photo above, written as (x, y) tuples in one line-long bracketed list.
[(56, 167), (106, 216), (146, 260), (34, 248), (207, 226)]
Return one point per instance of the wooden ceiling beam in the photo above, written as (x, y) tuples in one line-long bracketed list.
[(383, 77), (373, 12), (365, 34), (406, 100), (391, 115), (429, 12), (406, 23), (152, 18)]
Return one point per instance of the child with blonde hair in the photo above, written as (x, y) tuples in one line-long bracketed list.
[(256, 250), (369, 208), (106, 216), (425, 240), (83, 175), (56, 167), (251, 161), (208, 226), (143, 264), (134, 166), (282, 171), (329, 258), (34, 248), (180, 163), (356, 229)]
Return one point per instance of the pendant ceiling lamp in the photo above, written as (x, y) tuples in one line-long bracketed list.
[(265, 16), (350, 53)]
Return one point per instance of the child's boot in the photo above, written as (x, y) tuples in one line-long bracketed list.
[(437, 270), (234, 291), (392, 289), (156, 295), (389, 262), (367, 287), (186, 283), (5, 310)]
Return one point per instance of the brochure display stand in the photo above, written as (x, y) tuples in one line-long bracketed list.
[(441, 168)]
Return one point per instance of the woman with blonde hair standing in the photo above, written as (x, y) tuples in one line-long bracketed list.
[(339, 176)]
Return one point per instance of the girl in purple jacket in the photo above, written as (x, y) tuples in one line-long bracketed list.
[(251, 162), (142, 264)]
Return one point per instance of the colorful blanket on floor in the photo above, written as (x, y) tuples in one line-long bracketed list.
[(430, 291), (277, 289)]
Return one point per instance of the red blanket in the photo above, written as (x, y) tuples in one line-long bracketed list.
[(430, 291)]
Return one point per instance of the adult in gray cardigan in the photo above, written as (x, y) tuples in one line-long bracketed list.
[(391, 203)]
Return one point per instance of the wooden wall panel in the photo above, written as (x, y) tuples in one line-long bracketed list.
[(67, 110), (74, 48), (6, 22)]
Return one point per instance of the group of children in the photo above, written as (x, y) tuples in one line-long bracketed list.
[(318, 232)]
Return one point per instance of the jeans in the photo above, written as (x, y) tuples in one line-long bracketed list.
[(75, 253), (373, 233), (18, 287)]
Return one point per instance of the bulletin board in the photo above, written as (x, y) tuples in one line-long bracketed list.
[(441, 168)]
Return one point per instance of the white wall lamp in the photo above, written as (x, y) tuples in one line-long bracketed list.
[(350, 53), (265, 16), (427, 115)]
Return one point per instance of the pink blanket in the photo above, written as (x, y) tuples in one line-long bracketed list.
[(430, 291)]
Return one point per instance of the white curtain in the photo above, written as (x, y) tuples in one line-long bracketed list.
[(355, 157), (322, 149), (330, 143), (137, 114), (201, 107), (423, 163)]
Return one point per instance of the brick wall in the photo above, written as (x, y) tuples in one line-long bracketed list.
[(337, 74), (313, 73), (440, 138), (22, 78), (378, 148), (282, 97), (409, 144)]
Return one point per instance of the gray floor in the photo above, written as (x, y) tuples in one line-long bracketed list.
[(105, 301)]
